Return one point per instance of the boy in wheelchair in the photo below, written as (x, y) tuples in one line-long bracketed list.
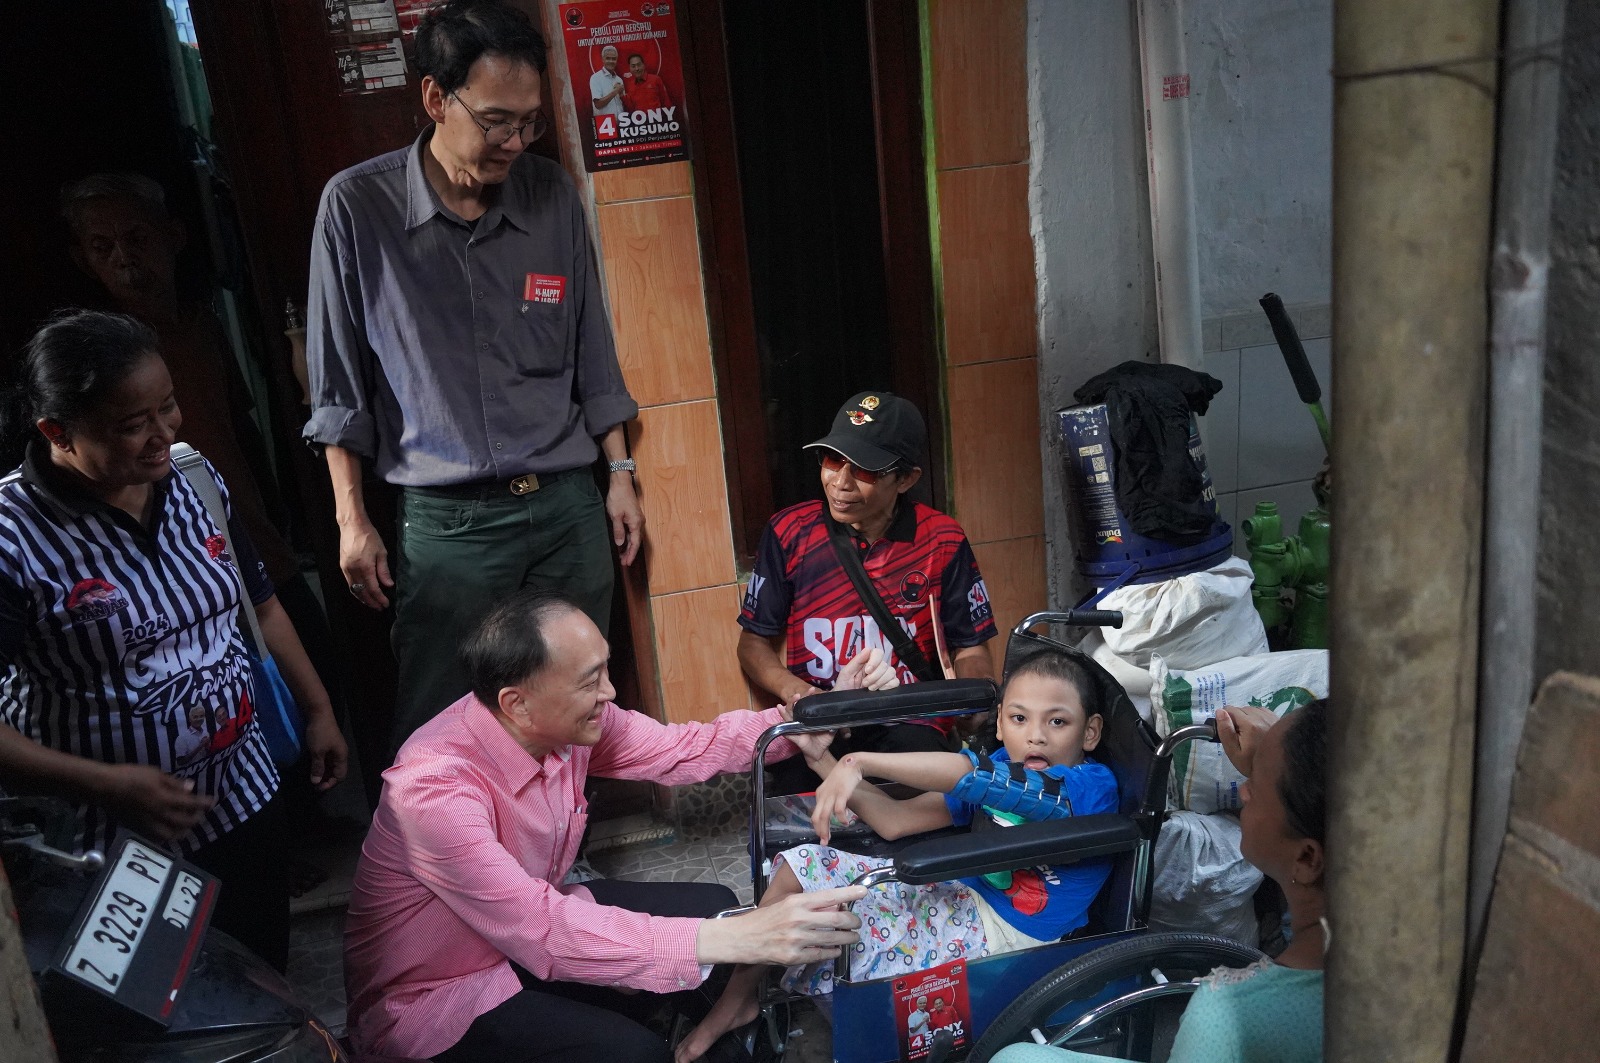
[(1047, 721)]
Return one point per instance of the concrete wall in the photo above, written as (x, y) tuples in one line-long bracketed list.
[(1569, 548), (1091, 222), (1261, 126), (1261, 122), (1261, 130)]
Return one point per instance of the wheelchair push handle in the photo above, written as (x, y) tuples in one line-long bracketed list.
[(1155, 797), (1071, 618)]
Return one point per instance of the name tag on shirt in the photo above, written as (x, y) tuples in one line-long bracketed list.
[(543, 288)]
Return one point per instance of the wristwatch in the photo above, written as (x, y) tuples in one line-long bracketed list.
[(622, 465)]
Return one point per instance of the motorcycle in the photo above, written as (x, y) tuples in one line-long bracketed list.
[(128, 968)]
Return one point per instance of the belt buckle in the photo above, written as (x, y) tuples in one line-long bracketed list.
[(525, 485)]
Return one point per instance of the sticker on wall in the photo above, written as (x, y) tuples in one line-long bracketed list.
[(371, 67), (361, 16), (627, 80)]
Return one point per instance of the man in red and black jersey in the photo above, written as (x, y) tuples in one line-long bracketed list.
[(801, 602)]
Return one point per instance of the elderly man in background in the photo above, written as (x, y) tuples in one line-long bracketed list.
[(124, 237)]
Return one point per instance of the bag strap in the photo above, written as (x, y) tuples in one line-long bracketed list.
[(905, 647), (189, 461)]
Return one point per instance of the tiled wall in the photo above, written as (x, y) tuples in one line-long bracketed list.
[(683, 593), (1261, 442), (980, 134)]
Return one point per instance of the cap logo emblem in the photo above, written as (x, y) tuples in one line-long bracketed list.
[(859, 417), (870, 402)]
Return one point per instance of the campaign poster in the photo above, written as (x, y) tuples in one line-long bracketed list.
[(627, 81), (930, 1001), (370, 67)]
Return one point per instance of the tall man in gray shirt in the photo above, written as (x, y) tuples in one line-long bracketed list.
[(457, 339)]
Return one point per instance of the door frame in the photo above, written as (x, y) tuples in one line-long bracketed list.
[(898, 120)]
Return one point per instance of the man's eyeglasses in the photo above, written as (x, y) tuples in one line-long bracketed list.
[(497, 133), (834, 462)]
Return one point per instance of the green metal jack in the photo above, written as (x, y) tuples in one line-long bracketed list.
[(1297, 564)]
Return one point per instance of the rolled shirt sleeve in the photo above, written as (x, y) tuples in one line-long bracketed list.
[(602, 393), (339, 362)]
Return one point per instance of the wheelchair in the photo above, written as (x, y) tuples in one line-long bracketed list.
[(1113, 969)]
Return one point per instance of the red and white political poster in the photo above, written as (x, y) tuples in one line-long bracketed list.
[(627, 81), (930, 1001)]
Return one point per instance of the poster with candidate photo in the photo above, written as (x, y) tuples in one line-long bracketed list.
[(927, 1002), (627, 81)]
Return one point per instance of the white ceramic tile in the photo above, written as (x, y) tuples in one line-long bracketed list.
[(1219, 428), (1278, 440), (1245, 329), (1227, 509)]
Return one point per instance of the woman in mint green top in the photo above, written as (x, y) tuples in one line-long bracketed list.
[(1271, 1011)]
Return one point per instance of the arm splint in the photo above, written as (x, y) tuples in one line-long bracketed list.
[(1008, 787)]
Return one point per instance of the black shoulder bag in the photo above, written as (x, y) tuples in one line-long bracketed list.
[(905, 648)]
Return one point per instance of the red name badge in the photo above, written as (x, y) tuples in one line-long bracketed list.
[(543, 288)]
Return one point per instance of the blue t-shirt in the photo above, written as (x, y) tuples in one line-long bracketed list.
[(1050, 901)]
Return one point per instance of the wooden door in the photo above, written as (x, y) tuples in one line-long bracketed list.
[(812, 200)]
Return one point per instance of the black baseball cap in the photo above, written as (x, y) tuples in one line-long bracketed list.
[(877, 429)]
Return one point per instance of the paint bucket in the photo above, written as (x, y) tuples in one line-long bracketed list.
[(1110, 553)]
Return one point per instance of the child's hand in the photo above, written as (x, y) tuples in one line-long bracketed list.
[(1240, 730), (833, 797), (868, 670), (813, 746)]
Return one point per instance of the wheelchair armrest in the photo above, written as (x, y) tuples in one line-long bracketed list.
[(833, 709), (1056, 841)]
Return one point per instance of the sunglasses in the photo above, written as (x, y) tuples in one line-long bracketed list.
[(835, 463)]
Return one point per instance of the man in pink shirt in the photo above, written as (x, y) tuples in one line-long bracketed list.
[(462, 941)]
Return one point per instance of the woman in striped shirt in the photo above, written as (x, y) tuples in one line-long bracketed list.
[(124, 679)]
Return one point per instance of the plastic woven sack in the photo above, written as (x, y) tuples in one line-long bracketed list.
[(1202, 778), (1192, 621)]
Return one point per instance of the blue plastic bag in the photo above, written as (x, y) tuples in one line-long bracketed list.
[(277, 713)]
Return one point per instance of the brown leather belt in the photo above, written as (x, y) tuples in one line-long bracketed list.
[(487, 489)]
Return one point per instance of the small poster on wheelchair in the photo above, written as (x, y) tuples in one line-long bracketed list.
[(930, 1001), (140, 929)]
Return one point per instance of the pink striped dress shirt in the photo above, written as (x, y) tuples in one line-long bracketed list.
[(461, 872)]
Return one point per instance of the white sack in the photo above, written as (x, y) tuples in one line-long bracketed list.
[(1202, 778), (1192, 620)]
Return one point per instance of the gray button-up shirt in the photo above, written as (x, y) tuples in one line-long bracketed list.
[(448, 351)]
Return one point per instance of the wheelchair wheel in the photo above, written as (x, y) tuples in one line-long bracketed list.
[(1178, 956)]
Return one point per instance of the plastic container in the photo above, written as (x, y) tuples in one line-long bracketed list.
[(1110, 553)]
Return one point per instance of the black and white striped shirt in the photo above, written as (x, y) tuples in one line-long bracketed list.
[(121, 643)]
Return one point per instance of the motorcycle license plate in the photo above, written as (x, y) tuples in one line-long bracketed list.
[(138, 933)]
